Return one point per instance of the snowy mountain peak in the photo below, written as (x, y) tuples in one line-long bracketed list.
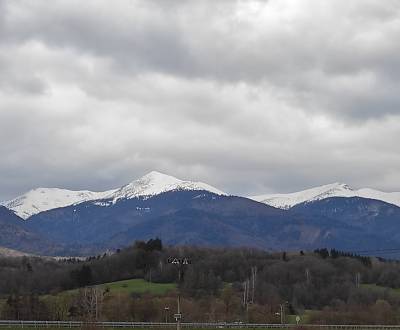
[(155, 175), (44, 199), (155, 183), (339, 185), (157, 179), (330, 190), (286, 201)]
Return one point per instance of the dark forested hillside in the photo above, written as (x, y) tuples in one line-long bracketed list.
[(15, 235), (205, 219), (215, 280), (368, 216), (195, 217)]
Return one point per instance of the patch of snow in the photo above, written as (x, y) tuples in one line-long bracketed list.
[(102, 203), (286, 201), (5, 252), (142, 208), (44, 199), (154, 183), (388, 197)]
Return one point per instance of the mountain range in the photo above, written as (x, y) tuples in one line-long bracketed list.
[(43, 199), (62, 222), (286, 201)]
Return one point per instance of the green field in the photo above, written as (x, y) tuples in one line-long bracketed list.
[(126, 287), (304, 318), (380, 289), (138, 286)]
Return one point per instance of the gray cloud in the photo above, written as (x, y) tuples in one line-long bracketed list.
[(250, 96)]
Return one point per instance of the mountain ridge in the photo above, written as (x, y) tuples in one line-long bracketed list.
[(188, 212), (153, 183), (45, 199), (289, 200), (207, 219)]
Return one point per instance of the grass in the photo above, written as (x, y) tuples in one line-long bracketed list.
[(125, 287), (138, 286), (304, 318), (381, 289)]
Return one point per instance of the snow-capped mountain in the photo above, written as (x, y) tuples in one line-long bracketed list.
[(153, 183), (286, 201), (44, 199), (158, 205)]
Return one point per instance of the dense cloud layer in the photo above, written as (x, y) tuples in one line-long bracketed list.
[(250, 96)]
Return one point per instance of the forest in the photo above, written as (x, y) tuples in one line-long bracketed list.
[(217, 285)]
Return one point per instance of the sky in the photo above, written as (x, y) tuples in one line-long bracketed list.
[(249, 96)]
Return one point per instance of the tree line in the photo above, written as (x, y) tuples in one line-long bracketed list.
[(220, 284)]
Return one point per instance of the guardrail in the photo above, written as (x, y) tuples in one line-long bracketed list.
[(196, 325)]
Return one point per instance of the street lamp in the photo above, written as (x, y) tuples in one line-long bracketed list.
[(166, 309)]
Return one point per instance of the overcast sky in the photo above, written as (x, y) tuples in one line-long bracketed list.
[(249, 96)]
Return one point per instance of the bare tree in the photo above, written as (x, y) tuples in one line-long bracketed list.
[(91, 302)]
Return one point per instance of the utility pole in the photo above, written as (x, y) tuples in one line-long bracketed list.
[(248, 291), (181, 263), (249, 286), (244, 294), (179, 315), (253, 279), (358, 280), (282, 311)]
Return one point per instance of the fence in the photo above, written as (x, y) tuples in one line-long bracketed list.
[(78, 324)]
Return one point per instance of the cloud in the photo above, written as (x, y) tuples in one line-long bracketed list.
[(251, 96)]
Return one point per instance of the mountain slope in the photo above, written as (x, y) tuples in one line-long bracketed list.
[(222, 223), (201, 218), (45, 199), (286, 201), (14, 235), (5, 252), (368, 215), (185, 212), (155, 183), (92, 223)]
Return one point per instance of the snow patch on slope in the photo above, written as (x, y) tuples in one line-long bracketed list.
[(286, 201), (44, 199), (5, 252), (388, 197), (155, 183)]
